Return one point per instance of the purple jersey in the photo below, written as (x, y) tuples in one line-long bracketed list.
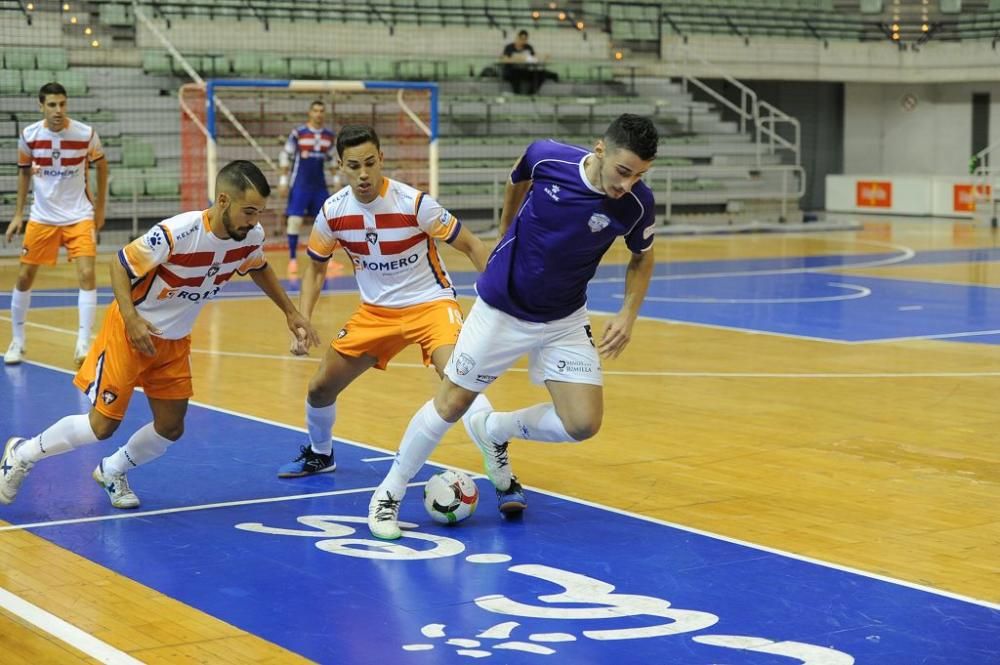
[(309, 150), (540, 269)]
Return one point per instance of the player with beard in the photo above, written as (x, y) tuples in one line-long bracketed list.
[(160, 281)]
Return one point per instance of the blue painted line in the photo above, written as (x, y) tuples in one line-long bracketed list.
[(576, 582)]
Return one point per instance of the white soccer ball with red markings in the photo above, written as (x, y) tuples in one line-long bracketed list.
[(450, 497)]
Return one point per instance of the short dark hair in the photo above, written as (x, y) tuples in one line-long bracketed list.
[(522, 33), (634, 133), (52, 88), (319, 102), (241, 175), (351, 136)]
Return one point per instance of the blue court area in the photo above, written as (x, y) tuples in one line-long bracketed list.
[(812, 297), (292, 562)]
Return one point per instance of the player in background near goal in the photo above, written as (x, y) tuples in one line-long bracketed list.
[(303, 161), (161, 281), (390, 231), (54, 156), (563, 208)]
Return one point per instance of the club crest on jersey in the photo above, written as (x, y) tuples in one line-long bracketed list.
[(213, 271), (464, 364), (56, 153), (598, 222), (372, 237), (108, 397)]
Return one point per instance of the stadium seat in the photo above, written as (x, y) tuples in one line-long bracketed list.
[(125, 183), (275, 66), (53, 59), (138, 155), (18, 59), (35, 79), (10, 82), (302, 68), (115, 14), (157, 62), (162, 186), (74, 82), (246, 64)]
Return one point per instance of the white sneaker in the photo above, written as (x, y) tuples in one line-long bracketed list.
[(15, 353), (383, 515), (12, 471), (495, 457), (116, 486), (80, 352)]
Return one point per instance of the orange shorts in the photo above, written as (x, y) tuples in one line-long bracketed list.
[(382, 332), (114, 369), (42, 241)]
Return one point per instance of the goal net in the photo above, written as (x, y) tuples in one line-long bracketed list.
[(237, 119)]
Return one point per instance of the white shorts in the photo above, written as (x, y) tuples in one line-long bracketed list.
[(491, 341)]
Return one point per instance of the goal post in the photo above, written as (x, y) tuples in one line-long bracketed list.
[(251, 119)]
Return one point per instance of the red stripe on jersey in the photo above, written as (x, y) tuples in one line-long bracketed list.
[(239, 254), (72, 161), (39, 145), (74, 145), (355, 247), (400, 246), (394, 220), (43, 161), (347, 223), (222, 278), (193, 259), (174, 280)]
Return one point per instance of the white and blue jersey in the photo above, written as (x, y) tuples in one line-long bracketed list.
[(309, 151), (540, 269)]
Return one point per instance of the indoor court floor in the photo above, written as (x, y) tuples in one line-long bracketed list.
[(799, 464)]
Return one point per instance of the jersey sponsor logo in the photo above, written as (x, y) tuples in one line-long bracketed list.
[(553, 191), (361, 263), (59, 173), (485, 378), (598, 222), (574, 367), (190, 296), (187, 233), (464, 364)]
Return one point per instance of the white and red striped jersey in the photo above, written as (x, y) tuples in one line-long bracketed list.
[(179, 265), (390, 241), (59, 164)]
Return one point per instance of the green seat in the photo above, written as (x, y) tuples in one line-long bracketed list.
[(381, 68), (138, 155), (274, 66), (164, 186), (303, 68), (246, 64), (334, 69), (354, 69), (125, 183), (34, 79), (54, 59), (74, 82), (18, 59), (10, 82), (115, 15), (157, 62)]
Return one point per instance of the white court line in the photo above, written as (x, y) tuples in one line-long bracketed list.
[(64, 631), (666, 373), (571, 499)]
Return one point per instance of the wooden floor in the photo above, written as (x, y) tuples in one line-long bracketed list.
[(884, 457)]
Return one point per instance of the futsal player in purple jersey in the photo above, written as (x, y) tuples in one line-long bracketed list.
[(563, 208)]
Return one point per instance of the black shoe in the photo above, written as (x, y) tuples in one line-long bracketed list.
[(512, 501), (307, 463)]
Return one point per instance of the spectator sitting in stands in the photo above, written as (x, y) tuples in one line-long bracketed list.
[(522, 68)]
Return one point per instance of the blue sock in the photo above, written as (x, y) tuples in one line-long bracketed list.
[(293, 244)]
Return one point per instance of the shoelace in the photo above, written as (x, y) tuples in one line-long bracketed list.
[(387, 509), (500, 453), (121, 485), (303, 453)]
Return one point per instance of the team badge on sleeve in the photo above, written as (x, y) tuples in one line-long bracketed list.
[(598, 222)]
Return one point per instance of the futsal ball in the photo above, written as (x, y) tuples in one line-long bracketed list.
[(450, 496)]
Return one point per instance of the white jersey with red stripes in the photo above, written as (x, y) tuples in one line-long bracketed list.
[(59, 164), (179, 265), (390, 241)]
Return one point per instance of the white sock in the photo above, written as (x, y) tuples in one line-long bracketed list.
[(143, 446), (20, 301), (319, 422), (421, 437), (536, 423), (63, 436), (87, 303)]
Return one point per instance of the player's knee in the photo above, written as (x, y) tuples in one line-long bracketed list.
[(103, 427), (87, 279), (452, 402), (171, 431), (583, 428)]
